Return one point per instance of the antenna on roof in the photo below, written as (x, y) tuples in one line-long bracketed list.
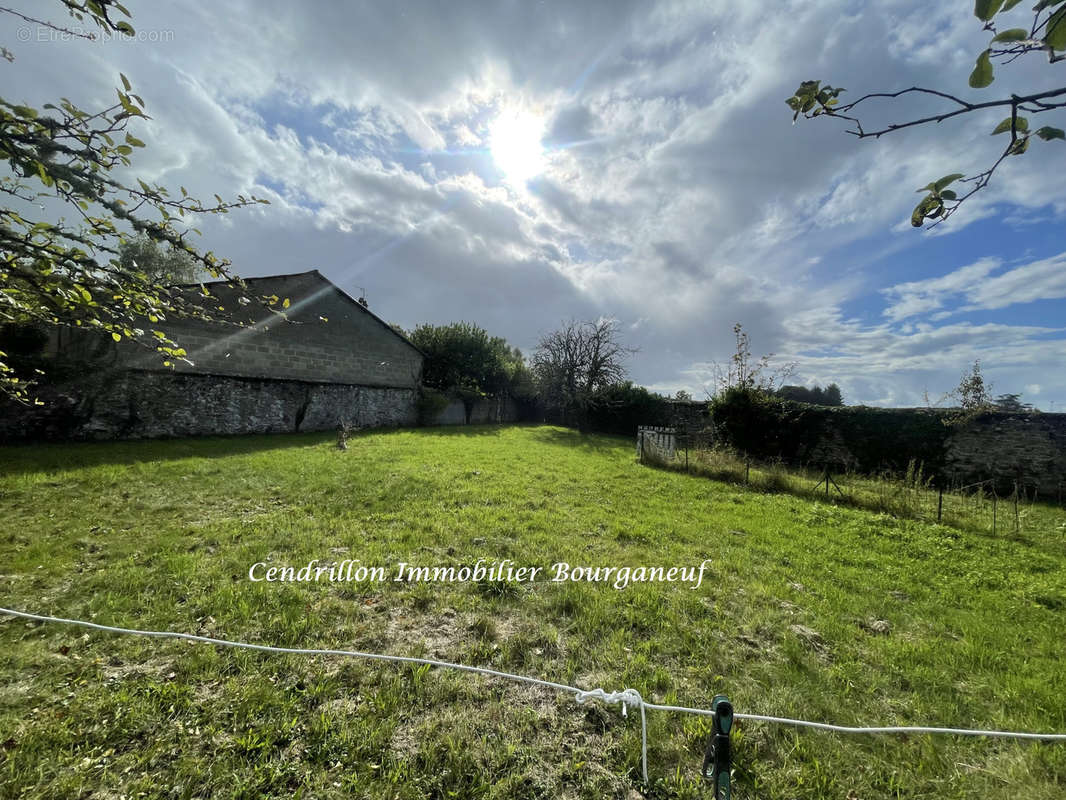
[(362, 298)]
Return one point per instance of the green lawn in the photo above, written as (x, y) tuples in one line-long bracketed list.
[(810, 610)]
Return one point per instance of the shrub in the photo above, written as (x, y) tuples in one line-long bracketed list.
[(431, 402), (623, 407)]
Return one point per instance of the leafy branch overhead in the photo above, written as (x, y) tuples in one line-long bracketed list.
[(74, 274), (1046, 34)]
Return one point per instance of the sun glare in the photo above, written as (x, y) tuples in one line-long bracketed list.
[(514, 139)]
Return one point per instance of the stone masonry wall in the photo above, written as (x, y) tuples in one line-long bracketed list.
[(1029, 448), (1009, 447), (134, 404), (485, 411)]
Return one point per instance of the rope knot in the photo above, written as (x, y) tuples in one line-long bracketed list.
[(629, 698)]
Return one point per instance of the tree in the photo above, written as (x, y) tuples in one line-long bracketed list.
[(463, 357), (829, 396), (1011, 402), (57, 273), (833, 396), (164, 265), (574, 363), (744, 373), (1046, 34), (972, 394)]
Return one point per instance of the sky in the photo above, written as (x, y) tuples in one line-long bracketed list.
[(521, 164)]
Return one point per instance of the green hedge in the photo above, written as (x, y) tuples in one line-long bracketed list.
[(622, 408), (866, 439)]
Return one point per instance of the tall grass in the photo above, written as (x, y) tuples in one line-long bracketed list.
[(910, 495), (808, 610)]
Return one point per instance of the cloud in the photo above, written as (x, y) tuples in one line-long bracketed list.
[(978, 289), (676, 195)]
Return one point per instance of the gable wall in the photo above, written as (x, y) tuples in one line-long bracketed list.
[(349, 347)]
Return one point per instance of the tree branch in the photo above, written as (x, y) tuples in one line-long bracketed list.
[(1013, 101)]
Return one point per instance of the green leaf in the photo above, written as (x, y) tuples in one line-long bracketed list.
[(947, 194), (116, 336), (134, 141), (984, 10), (125, 82), (982, 72), (918, 216), (1020, 126), (1020, 146), (1011, 35), (1009, 5), (1047, 133), (1046, 4), (126, 28), (1056, 30), (947, 180)]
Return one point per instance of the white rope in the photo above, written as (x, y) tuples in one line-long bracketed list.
[(627, 697), (825, 726)]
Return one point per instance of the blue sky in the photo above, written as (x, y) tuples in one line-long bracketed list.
[(517, 165)]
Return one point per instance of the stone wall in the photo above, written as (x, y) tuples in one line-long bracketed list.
[(1004, 446), (142, 404), (1029, 448), (690, 415), (484, 411)]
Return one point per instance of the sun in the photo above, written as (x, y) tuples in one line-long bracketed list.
[(514, 140)]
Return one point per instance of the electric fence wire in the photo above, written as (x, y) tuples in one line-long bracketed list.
[(629, 698)]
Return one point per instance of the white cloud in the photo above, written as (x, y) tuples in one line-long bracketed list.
[(675, 196)]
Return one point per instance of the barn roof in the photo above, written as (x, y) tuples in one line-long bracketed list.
[(301, 289)]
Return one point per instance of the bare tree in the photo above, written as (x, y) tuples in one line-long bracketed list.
[(575, 362)]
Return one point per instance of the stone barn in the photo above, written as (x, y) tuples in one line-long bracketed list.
[(329, 360)]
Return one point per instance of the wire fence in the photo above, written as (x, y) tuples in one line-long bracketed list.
[(994, 505), (628, 698)]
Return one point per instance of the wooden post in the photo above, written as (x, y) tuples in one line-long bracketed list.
[(1016, 508), (940, 503), (993, 510)]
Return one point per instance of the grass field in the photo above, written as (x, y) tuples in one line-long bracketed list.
[(807, 609)]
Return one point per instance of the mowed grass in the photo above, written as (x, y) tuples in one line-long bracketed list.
[(808, 610)]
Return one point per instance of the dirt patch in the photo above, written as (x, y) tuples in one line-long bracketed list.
[(437, 636)]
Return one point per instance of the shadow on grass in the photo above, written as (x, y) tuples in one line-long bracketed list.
[(16, 459), (61, 456), (451, 431), (568, 437)]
